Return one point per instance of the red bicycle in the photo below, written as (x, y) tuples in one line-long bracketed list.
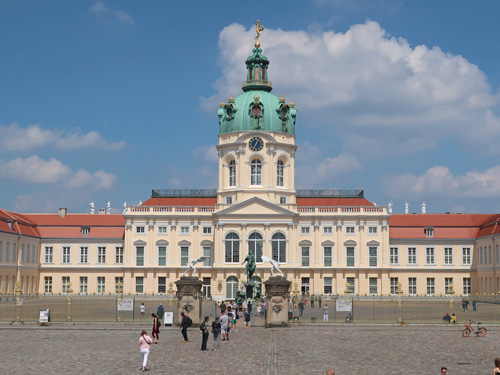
[(479, 332)]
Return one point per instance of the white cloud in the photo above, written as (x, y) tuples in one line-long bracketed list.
[(206, 153), (103, 13), (440, 181), (337, 166), (35, 170), (366, 85), (17, 138)]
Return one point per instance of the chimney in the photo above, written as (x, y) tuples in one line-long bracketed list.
[(63, 212), (102, 211)]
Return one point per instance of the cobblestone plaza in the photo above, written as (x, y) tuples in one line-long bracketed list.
[(349, 349)]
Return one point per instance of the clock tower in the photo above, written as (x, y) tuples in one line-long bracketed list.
[(256, 141)]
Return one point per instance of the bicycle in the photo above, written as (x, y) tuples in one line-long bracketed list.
[(479, 332)]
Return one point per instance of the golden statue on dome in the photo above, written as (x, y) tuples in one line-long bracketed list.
[(259, 30)]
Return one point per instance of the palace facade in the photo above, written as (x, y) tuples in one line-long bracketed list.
[(322, 239)]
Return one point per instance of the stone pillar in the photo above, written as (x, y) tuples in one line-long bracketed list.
[(277, 292), (188, 295)]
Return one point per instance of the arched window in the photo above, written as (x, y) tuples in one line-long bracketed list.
[(231, 287), (279, 171), (232, 248), (278, 242), (232, 173), (256, 172), (255, 245)]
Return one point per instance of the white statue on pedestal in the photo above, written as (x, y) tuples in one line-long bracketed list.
[(389, 208), (191, 264), (108, 209), (407, 208), (125, 207), (92, 208), (275, 264), (424, 208)]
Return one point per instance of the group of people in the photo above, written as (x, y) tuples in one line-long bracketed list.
[(450, 319), (465, 304)]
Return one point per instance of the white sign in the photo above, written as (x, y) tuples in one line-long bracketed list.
[(126, 304), (344, 304), (44, 316), (169, 318)]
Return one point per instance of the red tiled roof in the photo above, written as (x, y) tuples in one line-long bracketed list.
[(20, 224), (78, 220), (444, 233), (330, 202), (76, 232), (176, 201), (439, 220), (490, 228)]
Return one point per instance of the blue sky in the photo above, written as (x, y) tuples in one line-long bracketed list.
[(104, 100)]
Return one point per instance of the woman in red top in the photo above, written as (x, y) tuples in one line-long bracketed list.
[(156, 328)]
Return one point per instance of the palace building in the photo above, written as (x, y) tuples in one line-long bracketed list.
[(321, 238)]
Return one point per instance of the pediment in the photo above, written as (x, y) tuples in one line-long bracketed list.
[(255, 206)]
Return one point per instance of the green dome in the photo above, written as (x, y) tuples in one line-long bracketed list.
[(257, 108)]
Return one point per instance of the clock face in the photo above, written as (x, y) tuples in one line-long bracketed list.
[(256, 144)]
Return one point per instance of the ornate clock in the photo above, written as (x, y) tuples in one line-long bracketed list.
[(256, 144)]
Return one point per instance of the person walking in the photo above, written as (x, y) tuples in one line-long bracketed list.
[(144, 342), (216, 330), (320, 299), (204, 334), (224, 322), (143, 310), (222, 307), (246, 320), (159, 312), (301, 308), (156, 329), (185, 323), (326, 310)]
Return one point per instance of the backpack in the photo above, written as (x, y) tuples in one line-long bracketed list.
[(189, 321), (202, 327)]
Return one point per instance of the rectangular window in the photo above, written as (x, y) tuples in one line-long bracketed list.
[(352, 284), (162, 230), (412, 286), (83, 284), (489, 254), (28, 253), (65, 281), (22, 253), (327, 230), (162, 255), (101, 254), (101, 284), (305, 285), (394, 255), (466, 256), (283, 200), (497, 254), (429, 256), (229, 200), (448, 281), (14, 252), (184, 255), (448, 256), (66, 254), (429, 232), (373, 257), (85, 231), (349, 251), (140, 230), (480, 255), (139, 256), (279, 251), (207, 230), (84, 254), (119, 255), (139, 284), (118, 284), (184, 230), (327, 256), (7, 252), (350, 230), (394, 285), (305, 230), (467, 286), (207, 252), (255, 247), (207, 287), (162, 284), (47, 284), (373, 286), (372, 230), (48, 256), (34, 254), (305, 256), (1, 250), (430, 286), (328, 285)]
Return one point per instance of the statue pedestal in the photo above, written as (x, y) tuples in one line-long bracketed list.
[(188, 294), (277, 292)]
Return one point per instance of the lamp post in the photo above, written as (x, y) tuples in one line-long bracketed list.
[(348, 300), (69, 292), (19, 302), (119, 299), (399, 300), (451, 295), (170, 293)]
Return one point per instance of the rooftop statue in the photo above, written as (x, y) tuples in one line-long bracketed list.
[(259, 29), (92, 208), (250, 268), (191, 264), (274, 263)]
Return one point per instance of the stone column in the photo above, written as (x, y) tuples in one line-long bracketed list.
[(188, 295), (277, 292)]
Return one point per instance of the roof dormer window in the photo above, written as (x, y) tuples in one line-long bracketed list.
[(85, 231), (429, 232)]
